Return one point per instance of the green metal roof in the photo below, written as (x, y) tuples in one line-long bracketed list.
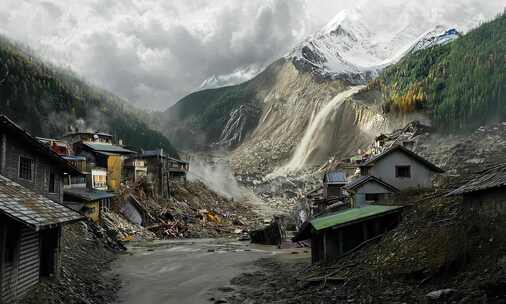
[(349, 215), (343, 218)]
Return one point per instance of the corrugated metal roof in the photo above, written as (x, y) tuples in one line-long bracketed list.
[(361, 180), (491, 178), (108, 148), (336, 177), (406, 151), (87, 194), (32, 208), (343, 218)]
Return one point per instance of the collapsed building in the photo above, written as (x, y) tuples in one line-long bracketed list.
[(162, 169)]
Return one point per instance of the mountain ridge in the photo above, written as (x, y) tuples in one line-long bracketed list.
[(49, 101)]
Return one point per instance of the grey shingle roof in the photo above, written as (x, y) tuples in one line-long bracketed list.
[(359, 181), (406, 151), (31, 208), (491, 178), (336, 177)]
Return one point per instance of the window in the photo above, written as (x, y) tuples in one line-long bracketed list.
[(25, 168), (402, 171), (52, 184), (372, 197)]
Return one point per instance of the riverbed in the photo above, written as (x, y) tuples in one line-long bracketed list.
[(186, 271)]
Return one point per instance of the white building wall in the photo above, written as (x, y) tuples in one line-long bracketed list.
[(372, 187), (384, 169)]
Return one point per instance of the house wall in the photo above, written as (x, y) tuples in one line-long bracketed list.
[(421, 176), (489, 202), (41, 170), (20, 275), (333, 191), (114, 169)]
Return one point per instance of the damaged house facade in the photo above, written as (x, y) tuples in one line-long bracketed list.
[(31, 213), (162, 169)]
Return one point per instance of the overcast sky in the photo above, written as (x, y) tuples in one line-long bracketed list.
[(153, 52)]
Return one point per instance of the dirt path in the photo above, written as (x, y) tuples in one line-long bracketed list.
[(189, 271)]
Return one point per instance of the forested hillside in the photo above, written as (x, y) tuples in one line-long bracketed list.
[(462, 84), (48, 101)]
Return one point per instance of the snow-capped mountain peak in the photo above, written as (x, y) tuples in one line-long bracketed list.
[(355, 46)]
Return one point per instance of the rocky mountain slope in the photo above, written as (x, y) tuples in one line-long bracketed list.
[(49, 101), (309, 105)]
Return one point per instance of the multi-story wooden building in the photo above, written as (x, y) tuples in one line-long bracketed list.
[(31, 213)]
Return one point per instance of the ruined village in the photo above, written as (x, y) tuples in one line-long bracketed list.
[(253, 152), (388, 211)]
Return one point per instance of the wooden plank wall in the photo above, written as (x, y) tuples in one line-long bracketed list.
[(29, 261), (20, 276)]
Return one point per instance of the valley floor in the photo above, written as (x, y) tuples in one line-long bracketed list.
[(191, 271)]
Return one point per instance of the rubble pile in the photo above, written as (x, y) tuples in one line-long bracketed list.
[(192, 211), (204, 213), (124, 230)]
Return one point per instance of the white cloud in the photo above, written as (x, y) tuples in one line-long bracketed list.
[(153, 52)]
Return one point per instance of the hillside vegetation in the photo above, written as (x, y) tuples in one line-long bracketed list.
[(48, 101), (461, 84)]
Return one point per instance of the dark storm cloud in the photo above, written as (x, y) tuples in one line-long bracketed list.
[(184, 59), (154, 52)]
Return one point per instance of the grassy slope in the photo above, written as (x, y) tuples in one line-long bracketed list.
[(461, 84), (47, 100)]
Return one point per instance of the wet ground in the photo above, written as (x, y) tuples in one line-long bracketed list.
[(187, 271)]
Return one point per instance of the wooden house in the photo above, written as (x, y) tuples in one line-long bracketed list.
[(31, 213), (368, 190), (401, 168), (486, 194), (333, 183), (336, 234)]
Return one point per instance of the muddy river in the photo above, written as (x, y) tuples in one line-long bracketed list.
[(187, 271)]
